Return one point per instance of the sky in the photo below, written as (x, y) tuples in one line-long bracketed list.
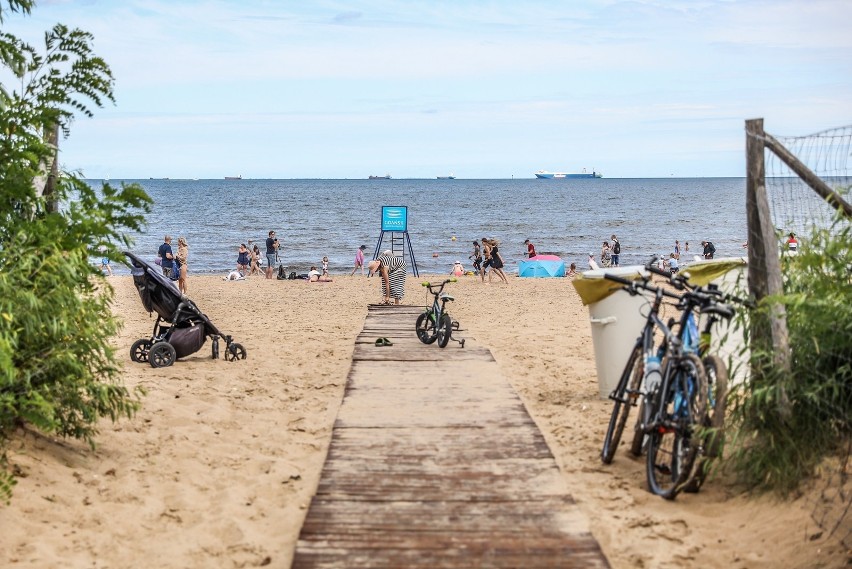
[(419, 89)]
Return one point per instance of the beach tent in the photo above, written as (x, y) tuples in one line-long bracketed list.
[(542, 266)]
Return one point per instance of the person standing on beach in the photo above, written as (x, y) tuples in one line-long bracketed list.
[(243, 259), (530, 249), (359, 260), (254, 259), (271, 253), (182, 257), (476, 257), (166, 256), (709, 249), (593, 265), (616, 250), (606, 256), (677, 249)]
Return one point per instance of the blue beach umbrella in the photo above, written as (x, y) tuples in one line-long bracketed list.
[(542, 266)]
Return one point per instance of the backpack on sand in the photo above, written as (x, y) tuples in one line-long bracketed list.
[(281, 274)]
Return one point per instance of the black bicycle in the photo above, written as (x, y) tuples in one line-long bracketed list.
[(628, 390), (435, 322)]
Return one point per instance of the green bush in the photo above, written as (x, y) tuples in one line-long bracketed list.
[(787, 423), (58, 371)]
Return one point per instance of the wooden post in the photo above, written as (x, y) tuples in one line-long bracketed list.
[(764, 264)]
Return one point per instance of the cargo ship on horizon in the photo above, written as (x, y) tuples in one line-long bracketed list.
[(548, 175)]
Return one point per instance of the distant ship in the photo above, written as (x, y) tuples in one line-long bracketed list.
[(450, 177), (548, 175), (240, 177), (385, 177)]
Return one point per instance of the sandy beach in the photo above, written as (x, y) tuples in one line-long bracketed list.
[(219, 466)]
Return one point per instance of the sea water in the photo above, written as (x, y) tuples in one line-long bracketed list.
[(316, 218)]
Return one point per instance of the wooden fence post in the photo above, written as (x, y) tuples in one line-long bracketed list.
[(764, 264)]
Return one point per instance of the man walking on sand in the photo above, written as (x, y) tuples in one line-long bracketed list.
[(271, 253)]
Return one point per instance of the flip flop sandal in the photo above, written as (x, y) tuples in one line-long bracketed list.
[(383, 342)]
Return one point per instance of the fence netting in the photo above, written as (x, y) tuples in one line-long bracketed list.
[(799, 210)]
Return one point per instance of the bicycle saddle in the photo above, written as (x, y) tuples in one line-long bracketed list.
[(445, 296)]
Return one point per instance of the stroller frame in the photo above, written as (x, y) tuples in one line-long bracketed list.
[(174, 312)]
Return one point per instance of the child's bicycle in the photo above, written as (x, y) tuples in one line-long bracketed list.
[(435, 322)]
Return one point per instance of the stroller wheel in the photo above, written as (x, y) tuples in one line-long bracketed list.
[(139, 350), (215, 348), (235, 352), (162, 354)]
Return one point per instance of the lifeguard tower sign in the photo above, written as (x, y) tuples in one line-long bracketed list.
[(394, 218), (395, 223)]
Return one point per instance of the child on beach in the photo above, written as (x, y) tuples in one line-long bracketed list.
[(457, 270), (325, 266), (572, 270), (359, 260)]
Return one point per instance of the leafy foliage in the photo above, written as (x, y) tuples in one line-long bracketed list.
[(58, 371), (787, 423)]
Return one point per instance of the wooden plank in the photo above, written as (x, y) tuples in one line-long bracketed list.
[(435, 462)]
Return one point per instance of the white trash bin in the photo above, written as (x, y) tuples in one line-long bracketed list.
[(616, 321)]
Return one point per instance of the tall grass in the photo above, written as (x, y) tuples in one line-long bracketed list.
[(785, 424)]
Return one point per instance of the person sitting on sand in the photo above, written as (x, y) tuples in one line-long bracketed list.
[(234, 276), (572, 270), (315, 276), (457, 270), (673, 266)]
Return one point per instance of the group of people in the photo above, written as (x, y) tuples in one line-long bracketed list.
[(174, 265), (487, 256)]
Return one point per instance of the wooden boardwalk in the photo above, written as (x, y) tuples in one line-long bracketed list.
[(435, 462)]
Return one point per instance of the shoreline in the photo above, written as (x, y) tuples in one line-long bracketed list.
[(218, 467)]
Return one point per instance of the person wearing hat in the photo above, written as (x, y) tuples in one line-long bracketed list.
[(458, 269), (359, 260)]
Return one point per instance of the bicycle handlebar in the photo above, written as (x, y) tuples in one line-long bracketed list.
[(429, 285)]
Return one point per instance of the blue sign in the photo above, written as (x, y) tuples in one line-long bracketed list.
[(394, 218)]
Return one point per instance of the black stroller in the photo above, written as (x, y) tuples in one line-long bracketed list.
[(181, 329)]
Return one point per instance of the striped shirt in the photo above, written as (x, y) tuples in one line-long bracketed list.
[(397, 270)]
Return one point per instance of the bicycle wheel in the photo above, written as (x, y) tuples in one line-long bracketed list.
[(445, 330), (425, 327), (638, 433), (624, 397), (717, 388), (672, 446), (717, 378), (637, 446)]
